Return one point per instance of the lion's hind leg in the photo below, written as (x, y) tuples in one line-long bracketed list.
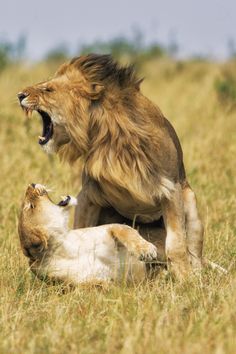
[(176, 246), (134, 242), (194, 227)]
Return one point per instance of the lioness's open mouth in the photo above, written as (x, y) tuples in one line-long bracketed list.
[(47, 127), (65, 201)]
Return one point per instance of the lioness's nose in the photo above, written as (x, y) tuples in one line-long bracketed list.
[(22, 95)]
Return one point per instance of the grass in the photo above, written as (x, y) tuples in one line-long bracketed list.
[(160, 316)]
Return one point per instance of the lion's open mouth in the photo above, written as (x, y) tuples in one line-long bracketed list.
[(47, 127)]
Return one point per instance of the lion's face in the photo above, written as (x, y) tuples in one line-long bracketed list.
[(57, 101), (52, 101)]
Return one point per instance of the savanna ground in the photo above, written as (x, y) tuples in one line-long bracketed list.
[(162, 316)]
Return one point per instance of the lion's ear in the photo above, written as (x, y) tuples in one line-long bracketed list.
[(91, 90), (96, 90)]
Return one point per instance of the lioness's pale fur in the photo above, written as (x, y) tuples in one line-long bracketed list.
[(93, 108), (103, 253)]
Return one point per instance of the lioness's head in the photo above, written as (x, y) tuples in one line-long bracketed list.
[(68, 100), (39, 218)]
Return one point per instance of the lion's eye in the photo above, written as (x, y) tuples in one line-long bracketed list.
[(48, 89)]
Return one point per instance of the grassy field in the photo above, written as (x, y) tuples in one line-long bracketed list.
[(162, 316)]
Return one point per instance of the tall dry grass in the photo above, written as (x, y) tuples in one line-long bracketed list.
[(162, 316)]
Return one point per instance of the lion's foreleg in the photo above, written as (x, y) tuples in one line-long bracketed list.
[(86, 213), (194, 227), (176, 246)]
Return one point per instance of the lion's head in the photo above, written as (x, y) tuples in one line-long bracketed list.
[(68, 100)]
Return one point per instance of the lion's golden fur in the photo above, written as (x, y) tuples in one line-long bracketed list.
[(120, 140)]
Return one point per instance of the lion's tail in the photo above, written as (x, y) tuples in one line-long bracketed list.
[(214, 266)]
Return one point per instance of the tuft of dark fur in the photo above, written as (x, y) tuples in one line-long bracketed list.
[(104, 69)]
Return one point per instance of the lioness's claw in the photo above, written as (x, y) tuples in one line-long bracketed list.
[(148, 255)]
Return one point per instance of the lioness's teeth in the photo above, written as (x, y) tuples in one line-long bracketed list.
[(63, 197), (42, 138)]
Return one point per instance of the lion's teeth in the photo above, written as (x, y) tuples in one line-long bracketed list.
[(42, 138), (27, 111)]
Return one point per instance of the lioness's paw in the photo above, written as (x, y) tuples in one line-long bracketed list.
[(148, 253)]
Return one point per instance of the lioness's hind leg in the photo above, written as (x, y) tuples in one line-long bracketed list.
[(134, 242), (194, 227)]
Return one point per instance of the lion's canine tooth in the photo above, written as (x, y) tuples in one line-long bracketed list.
[(42, 138), (24, 110), (28, 111)]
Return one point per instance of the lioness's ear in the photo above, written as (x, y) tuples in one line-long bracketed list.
[(34, 240), (96, 91)]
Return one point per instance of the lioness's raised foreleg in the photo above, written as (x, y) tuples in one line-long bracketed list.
[(134, 242), (176, 245)]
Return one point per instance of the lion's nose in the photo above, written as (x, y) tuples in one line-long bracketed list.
[(22, 95)]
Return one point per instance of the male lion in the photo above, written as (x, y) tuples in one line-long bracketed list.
[(132, 158)]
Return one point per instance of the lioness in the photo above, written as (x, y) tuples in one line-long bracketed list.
[(93, 108), (97, 254)]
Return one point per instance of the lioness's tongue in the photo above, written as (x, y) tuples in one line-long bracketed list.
[(65, 201)]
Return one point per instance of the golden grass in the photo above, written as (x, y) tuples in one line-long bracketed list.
[(163, 316)]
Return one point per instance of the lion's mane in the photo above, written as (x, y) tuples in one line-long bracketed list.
[(120, 137)]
